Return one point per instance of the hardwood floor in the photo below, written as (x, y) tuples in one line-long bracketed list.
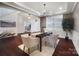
[(65, 48), (9, 47)]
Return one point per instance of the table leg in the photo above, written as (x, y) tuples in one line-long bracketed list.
[(40, 44)]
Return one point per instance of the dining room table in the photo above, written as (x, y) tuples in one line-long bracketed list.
[(41, 35)]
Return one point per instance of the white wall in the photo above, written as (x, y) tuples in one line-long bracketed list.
[(9, 17), (76, 17), (76, 31), (23, 19), (35, 24), (19, 18), (8, 14), (20, 24), (76, 40)]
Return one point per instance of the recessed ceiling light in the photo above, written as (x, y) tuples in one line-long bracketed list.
[(60, 8)]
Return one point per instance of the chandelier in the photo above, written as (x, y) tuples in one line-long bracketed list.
[(45, 12)]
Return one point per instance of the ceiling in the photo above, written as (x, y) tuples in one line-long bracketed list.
[(37, 8)]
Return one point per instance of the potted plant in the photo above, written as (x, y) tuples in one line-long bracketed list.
[(68, 26)]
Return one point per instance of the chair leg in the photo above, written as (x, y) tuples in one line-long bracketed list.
[(24, 48), (55, 45), (29, 50), (45, 43), (37, 46)]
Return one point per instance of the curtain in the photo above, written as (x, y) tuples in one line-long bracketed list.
[(54, 24)]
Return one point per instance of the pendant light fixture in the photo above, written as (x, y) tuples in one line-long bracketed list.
[(29, 16), (44, 12)]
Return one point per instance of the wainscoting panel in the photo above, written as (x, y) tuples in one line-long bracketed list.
[(76, 40)]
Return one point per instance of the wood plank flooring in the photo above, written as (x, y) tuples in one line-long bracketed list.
[(65, 48), (9, 47)]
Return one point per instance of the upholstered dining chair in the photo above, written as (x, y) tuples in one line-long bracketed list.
[(29, 42), (45, 41), (51, 40)]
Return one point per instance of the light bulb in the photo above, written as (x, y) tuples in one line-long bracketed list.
[(29, 17), (60, 8)]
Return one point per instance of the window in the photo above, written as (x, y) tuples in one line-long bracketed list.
[(54, 22)]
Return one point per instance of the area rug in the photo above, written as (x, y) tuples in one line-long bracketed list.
[(46, 51)]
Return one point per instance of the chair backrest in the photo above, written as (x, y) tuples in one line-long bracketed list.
[(53, 40), (25, 41), (29, 41)]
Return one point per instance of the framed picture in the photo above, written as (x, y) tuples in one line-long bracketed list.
[(7, 24)]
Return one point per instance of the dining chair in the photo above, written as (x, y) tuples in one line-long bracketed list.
[(45, 41), (51, 40), (29, 42)]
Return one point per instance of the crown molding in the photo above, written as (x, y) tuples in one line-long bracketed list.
[(22, 8)]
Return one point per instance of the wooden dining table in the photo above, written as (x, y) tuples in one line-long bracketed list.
[(40, 36)]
